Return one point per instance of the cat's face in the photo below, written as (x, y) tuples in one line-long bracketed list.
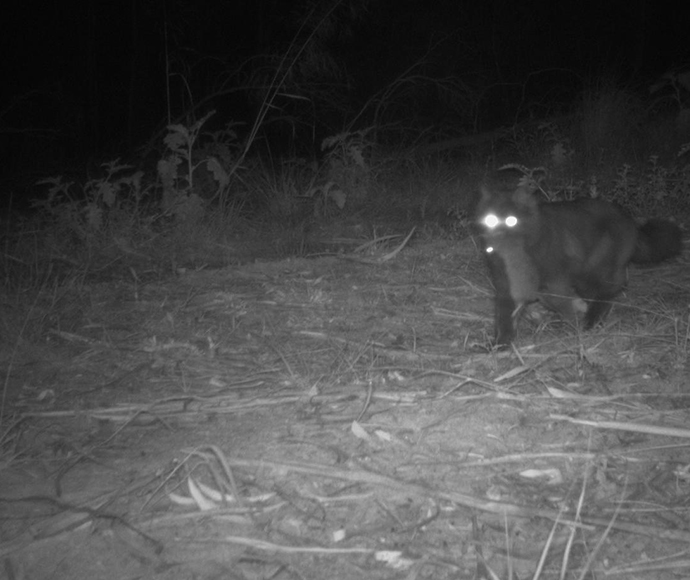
[(506, 218)]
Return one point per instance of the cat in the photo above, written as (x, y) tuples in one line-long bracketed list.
[(572, 256)]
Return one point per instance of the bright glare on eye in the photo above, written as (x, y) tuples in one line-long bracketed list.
[(511, 221), (489, 249), (491, 221)]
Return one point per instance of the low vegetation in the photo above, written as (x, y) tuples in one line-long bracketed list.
[(241, 306)]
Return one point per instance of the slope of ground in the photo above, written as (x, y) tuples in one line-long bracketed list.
[(339, 417)]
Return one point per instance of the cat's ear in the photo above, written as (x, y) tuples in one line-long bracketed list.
[(525, 197)]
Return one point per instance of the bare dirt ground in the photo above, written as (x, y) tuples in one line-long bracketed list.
[(337, 418)]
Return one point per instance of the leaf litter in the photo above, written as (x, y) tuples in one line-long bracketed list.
[(342, 418)]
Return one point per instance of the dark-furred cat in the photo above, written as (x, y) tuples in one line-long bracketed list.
[(572, 256)]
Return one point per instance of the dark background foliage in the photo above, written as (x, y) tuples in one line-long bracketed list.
[(84, 78)]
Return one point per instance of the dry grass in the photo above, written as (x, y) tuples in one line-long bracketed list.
[(335, 418), (338, 416)]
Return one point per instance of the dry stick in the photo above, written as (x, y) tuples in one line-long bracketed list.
[(5, 435), (371, 243), (180, 465), (370, 392), (189, 405), (222, 459), (622, 426), (270, 547), (389, 256), (547, 545), (578, 516), (508, 546), (588, 564), (89, 513), (380, 347), (653, 565), (481, 568), (462, 499)]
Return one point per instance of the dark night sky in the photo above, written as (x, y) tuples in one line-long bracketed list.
[(94, 72)]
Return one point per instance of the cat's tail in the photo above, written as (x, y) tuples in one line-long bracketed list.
[(657, 240)]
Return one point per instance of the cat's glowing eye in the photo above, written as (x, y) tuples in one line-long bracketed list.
[(491, 221), (511, 221), (489, 249)]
